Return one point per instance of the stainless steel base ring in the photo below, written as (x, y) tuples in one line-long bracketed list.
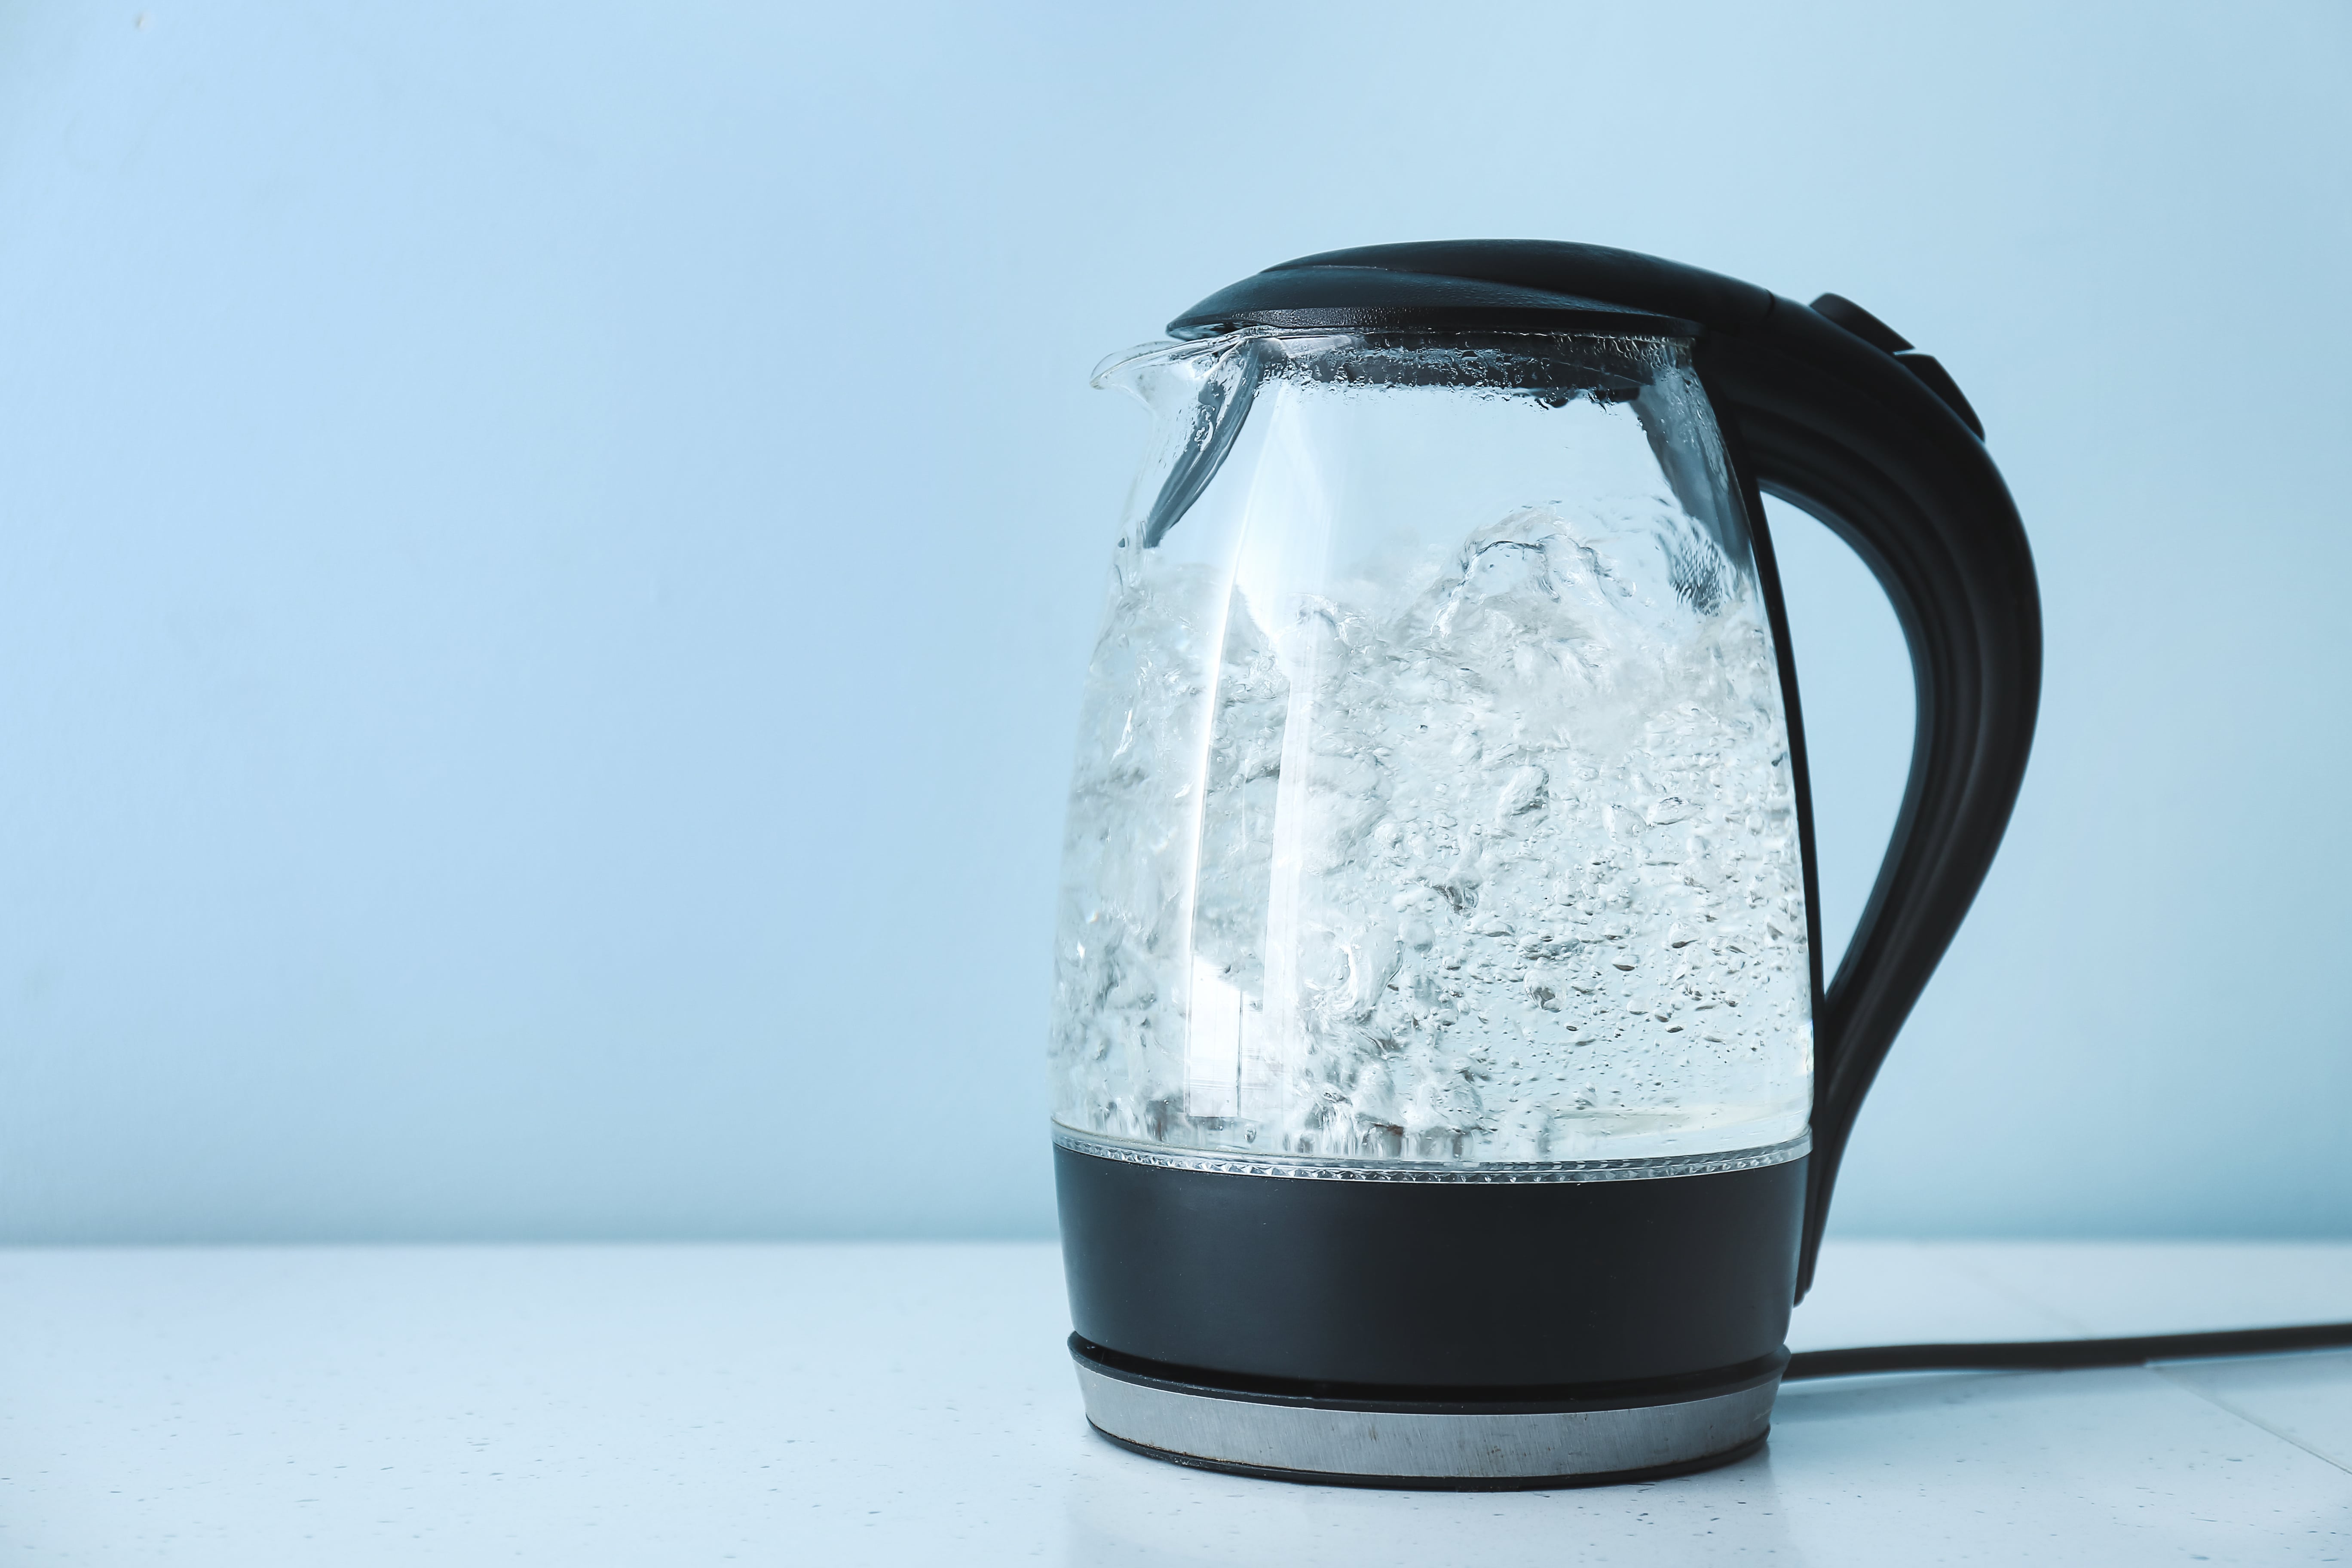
[(1360, 1444)]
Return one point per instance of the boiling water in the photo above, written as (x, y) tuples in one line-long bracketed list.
[(1487, 857)]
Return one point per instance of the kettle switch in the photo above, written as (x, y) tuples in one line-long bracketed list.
[(1861, 323), (1879, 335)]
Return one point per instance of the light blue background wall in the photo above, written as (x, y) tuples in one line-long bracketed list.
[(546, 553)]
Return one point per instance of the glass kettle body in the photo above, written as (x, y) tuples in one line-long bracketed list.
[(1445, 1088), (1434, 799)]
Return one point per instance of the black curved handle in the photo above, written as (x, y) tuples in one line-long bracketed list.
[(1827, 416)]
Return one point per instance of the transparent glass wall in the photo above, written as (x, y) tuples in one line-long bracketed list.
[(1433, 797)]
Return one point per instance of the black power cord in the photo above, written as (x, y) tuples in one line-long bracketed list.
[(2050, 1355)]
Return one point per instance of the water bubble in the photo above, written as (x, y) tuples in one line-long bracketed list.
[(1526, 790)]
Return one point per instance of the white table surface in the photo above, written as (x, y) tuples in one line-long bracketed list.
[(911, 1404)]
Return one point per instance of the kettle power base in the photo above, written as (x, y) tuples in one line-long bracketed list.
[(1438, 1483), (1466, 1328), (1449, 1445)]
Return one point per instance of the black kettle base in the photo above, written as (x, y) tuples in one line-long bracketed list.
[(1449, 1445)]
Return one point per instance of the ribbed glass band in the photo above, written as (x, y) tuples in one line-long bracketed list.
[(1302, 1167)]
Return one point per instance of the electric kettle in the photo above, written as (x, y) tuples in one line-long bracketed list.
[(1446, 1092)]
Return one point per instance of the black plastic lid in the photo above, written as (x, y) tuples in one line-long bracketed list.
[(1467, 284)]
